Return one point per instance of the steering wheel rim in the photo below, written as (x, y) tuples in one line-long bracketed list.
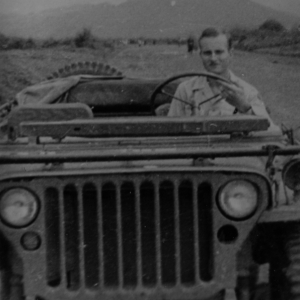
[(159, 88)]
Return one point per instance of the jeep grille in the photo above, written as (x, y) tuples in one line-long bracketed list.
[(127, 231)]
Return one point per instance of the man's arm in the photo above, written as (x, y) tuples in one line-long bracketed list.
[(258, 107), (244, 97), (249, 95)]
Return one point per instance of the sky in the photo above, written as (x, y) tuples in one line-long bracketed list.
[(28, 6)]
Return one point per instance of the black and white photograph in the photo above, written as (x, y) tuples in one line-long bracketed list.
[(149, 150)]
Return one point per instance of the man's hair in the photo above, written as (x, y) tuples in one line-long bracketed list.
[(215, 32)]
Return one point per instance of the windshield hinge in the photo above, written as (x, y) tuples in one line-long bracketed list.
[(271, 155), (289, 132)]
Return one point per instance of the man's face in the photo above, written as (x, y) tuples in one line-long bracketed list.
[(215, 54)]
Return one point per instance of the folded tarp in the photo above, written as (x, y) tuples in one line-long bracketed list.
[(47, 92)]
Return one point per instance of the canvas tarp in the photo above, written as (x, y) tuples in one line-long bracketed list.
[(46, 92)]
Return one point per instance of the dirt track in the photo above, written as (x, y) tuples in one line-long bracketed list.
[(277, 78)]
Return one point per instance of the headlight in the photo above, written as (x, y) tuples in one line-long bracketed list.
[(238, 199), (291, 174), (18, 207)]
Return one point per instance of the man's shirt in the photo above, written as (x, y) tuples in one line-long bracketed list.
[(197, 89)]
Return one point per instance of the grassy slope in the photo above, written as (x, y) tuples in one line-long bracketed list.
[(277, 78)]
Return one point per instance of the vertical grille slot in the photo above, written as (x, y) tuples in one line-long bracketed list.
[(71, 237), (90, 235), (186, 219), (53, 258), (129, 241), (110, 236), (205, 232), (167, 228), (147, 208)]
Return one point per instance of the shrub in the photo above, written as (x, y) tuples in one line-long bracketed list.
[(84, 38), (49, 43), (29, 43), (7, 43), (108, 44), (3, 41), (67, 42), (272, 25), (238, 33), (15, 43)]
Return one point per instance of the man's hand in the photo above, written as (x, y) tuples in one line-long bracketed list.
[(234, 95)]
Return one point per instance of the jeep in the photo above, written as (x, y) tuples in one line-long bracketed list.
[(102, 196)]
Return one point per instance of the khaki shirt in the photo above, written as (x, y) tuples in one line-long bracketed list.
[(196, 90)]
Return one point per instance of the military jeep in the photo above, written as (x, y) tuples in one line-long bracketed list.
[(102, 196)]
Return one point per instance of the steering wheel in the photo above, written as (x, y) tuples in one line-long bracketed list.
[(159, 88)]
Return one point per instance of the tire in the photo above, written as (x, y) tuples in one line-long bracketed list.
[(85, 68), (285, 266), (293, 269)]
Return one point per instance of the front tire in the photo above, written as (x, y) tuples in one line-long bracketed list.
[(285, 264)]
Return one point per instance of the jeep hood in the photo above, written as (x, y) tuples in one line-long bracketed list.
[(211, 151)]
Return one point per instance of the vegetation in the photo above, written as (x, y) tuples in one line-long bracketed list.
[(272, 25), (270, 36), (84, 38)]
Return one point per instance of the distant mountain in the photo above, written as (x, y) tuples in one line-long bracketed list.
[(148, 18), (290, 6)]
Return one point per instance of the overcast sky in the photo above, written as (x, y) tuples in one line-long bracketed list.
[(27, 6)]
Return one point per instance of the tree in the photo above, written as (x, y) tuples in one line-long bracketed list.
[(84, 38), (272, 25)]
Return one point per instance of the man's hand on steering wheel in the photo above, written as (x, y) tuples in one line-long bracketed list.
[(234, 95)]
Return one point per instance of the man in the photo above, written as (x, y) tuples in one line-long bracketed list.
[(190, 44), (227, 98)]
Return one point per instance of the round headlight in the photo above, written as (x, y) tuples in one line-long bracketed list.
[(18, 207), (291, 174), (238, 199)]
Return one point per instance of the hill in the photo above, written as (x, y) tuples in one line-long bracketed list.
[(148, 18), (290, 6)]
